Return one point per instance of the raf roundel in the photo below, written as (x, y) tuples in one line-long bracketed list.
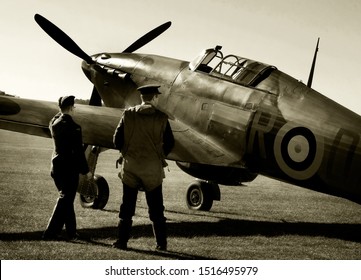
[(298, 151)]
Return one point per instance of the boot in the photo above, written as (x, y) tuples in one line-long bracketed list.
[(124, 228), (160, 233)]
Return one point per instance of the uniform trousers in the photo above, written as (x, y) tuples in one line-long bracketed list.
[(155, 209), (154, 200), (63, 213)]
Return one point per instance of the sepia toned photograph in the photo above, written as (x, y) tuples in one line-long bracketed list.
[(181, 130)]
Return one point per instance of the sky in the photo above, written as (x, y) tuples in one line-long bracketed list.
[(282, 33)]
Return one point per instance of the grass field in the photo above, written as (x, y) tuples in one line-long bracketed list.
[(266, 219)]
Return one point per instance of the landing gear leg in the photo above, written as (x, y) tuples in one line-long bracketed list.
[(94, 193)]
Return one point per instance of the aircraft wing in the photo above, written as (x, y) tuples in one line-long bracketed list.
[(98, 126), (33, 117), (193, 147)]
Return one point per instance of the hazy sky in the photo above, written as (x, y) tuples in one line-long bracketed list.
[(278, 32)]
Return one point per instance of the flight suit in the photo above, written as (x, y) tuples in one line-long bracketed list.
[(144, 137), (67, 162)]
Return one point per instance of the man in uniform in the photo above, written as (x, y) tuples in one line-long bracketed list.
[(67, 162), (144, 138)]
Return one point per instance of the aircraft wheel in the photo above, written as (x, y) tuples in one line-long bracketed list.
[(101, 196), (199, 196)]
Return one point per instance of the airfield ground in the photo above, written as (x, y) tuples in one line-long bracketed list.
[(264, 220)]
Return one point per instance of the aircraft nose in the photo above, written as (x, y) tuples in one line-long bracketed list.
[(86, 69)]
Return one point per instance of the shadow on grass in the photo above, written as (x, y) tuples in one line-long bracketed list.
[(244, 228), (222, 228), (165, 254), (95, 237)]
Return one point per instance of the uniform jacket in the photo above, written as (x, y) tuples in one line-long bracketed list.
[(144, 137), (68, 156)]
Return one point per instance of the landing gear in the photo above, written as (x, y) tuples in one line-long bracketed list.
[(200, 195), (93, 193), (96, 194)]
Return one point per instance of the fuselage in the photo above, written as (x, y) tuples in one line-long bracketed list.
[(268, 122)]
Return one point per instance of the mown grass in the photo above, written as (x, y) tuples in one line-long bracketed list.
[(266, 219)]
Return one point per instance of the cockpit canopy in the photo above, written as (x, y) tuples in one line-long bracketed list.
[(233, 68)]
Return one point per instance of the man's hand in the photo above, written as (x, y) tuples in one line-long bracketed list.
[(89, 176)]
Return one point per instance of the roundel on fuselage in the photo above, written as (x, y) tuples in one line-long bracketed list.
[(298, 151)]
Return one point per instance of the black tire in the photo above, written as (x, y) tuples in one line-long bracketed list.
[(199, 196), (101, 199)]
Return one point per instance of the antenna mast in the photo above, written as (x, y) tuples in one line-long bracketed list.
[(310, 77)]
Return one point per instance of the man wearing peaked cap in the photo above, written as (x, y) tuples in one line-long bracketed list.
[(68, 160), (66, 101), (144, 138), (149, 89)]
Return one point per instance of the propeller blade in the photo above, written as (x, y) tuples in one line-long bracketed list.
[(145, 39), (95, 99), (61, 38)]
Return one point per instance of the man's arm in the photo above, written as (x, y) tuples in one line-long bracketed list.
[(79, 151), (168, 139), (118, 137)]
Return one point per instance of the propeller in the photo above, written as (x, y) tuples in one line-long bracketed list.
[(95, 99), (67, 43), (145, 39), (61, 38)]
